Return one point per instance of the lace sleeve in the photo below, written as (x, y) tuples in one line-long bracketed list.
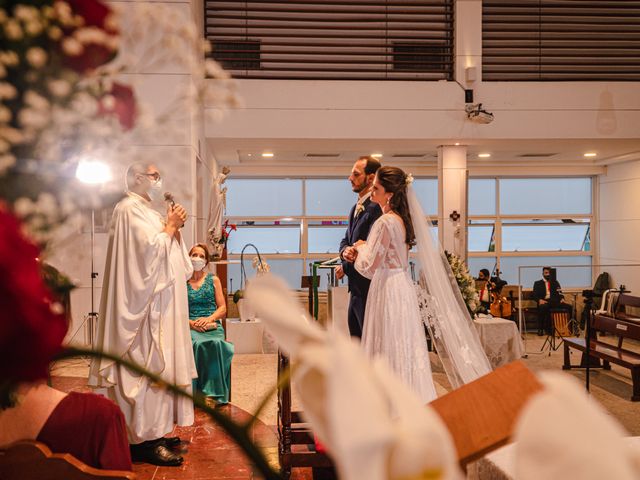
[(371, 254)]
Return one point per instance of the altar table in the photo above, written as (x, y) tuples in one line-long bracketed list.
[(500, 339), (245, 336)]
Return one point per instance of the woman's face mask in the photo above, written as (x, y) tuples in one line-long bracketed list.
[(198, 263)]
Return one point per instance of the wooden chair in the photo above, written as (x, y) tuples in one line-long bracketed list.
[(481, 415), (29, 460)]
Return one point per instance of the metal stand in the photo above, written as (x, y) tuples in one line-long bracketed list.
[(92, 317)]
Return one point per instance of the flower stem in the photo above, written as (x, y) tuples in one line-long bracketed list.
[(240, 434)]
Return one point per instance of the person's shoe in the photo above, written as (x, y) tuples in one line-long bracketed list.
[(171, 441), (155, 453)]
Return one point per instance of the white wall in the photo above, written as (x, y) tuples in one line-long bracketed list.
[(619, 225)]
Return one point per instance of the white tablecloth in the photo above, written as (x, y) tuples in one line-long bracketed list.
[(500, 339), (245, 336)]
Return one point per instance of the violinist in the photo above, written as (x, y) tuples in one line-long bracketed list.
[(484, 289)]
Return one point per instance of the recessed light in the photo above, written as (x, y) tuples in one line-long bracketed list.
[(376, 155), (484, 155), (267, 154), (590, 154), (249, 154), (457, 144)]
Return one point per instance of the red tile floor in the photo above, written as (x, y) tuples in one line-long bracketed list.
[(208, 452)]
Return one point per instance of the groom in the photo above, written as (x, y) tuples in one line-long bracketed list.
[(362, 216)]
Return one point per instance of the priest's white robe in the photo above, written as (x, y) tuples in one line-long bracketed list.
[(143, 317)]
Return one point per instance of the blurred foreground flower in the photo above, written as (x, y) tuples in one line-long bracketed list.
[(371, 424)]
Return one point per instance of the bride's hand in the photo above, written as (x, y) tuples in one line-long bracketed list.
[(359, 242)]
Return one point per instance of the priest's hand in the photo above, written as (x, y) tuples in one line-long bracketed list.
[(176, 216)]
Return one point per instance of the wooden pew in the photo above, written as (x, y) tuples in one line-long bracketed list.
[(31, 460), (622, 325)]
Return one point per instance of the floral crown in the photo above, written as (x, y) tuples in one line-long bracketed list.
[(408, 179)]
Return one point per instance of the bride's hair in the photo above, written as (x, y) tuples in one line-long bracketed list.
[(394, 180)]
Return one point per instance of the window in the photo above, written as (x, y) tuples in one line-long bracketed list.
[(545, 196), (330, 198), (427, 193), (296, 221), (572, 272), (482, 196), (534, 222), (264, 198)]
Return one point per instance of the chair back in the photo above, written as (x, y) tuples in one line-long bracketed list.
[(561, 320), (31, 460)]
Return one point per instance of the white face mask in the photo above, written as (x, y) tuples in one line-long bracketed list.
[(198, 263), (155, 190)]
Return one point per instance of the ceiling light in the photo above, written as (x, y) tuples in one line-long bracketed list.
[(457, 144), (249, 154), (484, 155), (590, 154), (267, 154), (376, 155)]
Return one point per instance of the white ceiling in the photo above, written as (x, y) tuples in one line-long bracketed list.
[(302, 154)]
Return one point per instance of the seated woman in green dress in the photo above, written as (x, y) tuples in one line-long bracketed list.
[(206, 308)]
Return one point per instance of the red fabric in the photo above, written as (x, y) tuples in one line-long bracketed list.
[(320, 448), (91, 428)]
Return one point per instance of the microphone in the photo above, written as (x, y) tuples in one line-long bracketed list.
[(168, 197)]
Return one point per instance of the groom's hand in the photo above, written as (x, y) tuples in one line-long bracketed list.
[(349, 254)]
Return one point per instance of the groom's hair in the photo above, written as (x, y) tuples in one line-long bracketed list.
[(372, 164)]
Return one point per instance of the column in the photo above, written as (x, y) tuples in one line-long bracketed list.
[(452, 199)]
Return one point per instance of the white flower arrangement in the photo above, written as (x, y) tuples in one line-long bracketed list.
[(465, 281), (62, 96), (260, 265)]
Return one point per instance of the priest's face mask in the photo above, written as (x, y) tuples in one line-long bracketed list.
[(153, 183)]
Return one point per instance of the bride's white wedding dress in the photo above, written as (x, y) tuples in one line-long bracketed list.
[(393, 328)]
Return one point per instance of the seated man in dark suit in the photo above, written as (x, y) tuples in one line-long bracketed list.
[(548, 294)]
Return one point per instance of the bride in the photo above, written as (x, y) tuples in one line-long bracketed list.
[(393, 327)]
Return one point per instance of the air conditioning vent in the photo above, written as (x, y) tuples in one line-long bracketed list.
[(537, 155), (322, 155), (408, 155)]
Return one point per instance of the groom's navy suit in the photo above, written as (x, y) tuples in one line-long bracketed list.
[(358, 229)]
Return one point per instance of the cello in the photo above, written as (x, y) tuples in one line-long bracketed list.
[(500, 306)]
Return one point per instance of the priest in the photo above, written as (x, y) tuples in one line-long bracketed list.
[(143, 318)]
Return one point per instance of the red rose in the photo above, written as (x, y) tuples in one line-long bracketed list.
[(95, 14), (30, 333), (123, 105)]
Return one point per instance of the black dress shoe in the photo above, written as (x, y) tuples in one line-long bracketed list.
[(155, 453), (171, 441)]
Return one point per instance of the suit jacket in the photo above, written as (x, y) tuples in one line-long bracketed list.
[(359, 229), (540, 291)]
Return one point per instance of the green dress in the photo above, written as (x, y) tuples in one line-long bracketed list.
[(211, 352)]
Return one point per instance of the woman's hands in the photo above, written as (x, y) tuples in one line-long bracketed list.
[(202, 324)]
